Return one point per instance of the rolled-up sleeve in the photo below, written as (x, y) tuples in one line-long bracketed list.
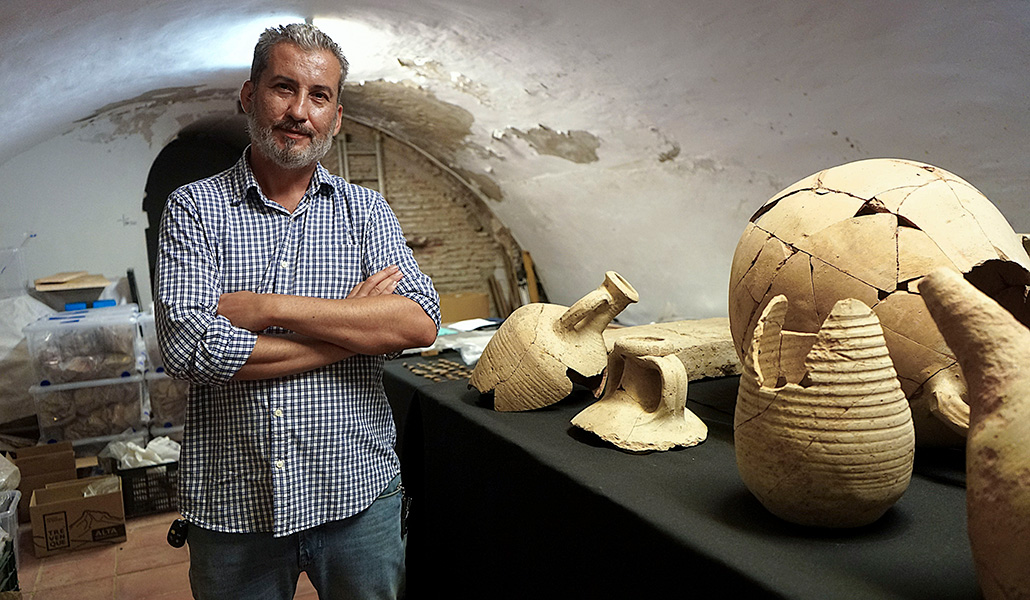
[(388, 247), (198, 345)]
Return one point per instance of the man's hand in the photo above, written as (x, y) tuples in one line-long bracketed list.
[(253, 312), (244, 309), (381, 283)]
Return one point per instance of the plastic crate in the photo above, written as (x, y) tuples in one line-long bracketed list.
[(90, 409), (148, 330), (9, 568), (167, 399), (148, 490), (9, 500), (86, 345), (87, 447)]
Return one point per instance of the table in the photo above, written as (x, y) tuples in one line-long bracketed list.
[(523, 505)]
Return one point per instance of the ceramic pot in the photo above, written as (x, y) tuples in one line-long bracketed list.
[(993, 349), (527, 361), (869, 230), (822, 431), (644, 404)]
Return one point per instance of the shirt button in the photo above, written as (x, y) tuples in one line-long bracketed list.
[(278, 412), (284, 264), (280, 464)]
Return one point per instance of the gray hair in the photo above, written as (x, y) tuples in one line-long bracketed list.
[(307, 37)]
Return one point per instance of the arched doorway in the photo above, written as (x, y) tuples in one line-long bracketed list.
[(202, 149)]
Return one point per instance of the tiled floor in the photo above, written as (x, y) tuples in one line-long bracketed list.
[(144, 567)]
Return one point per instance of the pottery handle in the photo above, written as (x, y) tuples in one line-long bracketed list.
[(674, 380), (945, 402), (991, 345)]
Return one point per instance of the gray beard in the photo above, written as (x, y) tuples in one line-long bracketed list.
[(287, 156)]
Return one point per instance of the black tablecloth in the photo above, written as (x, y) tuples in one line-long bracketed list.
[(524, 505)]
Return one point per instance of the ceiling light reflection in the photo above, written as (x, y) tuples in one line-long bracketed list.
[(364, 46), (231, 45)]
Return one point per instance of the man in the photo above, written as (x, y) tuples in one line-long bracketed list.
[(279, 289)]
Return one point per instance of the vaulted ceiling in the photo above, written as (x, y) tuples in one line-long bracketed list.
[(633, 136)]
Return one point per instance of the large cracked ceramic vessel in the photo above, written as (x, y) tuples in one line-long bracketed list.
[(644, 407), (822, 431), (994, 351), (869, 230), (527, 363)]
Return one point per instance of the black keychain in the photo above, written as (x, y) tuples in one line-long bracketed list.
[(177, 533), (405, 509)]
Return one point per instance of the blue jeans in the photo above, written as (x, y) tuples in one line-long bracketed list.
[(361, 557)]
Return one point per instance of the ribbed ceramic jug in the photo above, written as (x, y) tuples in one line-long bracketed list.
[(822, 431)]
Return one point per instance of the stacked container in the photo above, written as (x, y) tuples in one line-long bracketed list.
[(90, 366), (167, 395)]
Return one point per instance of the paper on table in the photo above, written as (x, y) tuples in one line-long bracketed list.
[(471, 324)]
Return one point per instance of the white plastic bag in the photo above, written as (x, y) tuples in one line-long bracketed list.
[(131, 455), (10, 474)]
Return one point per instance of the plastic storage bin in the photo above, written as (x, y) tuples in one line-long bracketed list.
[(148, 490), (167, 399), (86, 345), (9, 569), (9, 500), (12, 273), (89, 409), (148, 331)]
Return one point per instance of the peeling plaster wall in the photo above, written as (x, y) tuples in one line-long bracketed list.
[(630, 136), (81, 193)]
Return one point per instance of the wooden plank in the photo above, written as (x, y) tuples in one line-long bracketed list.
[(515, 298), (503, 308), (81, 282), (62, 277), (527, 262)]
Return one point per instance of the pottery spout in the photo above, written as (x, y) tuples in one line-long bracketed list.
[(529, 361), (596, 310), (993, 349)]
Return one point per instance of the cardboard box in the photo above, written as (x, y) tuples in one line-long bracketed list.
[(459, 307), (40, 465), (65, 519)]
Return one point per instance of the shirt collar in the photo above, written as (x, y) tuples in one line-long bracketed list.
[(247, 185)]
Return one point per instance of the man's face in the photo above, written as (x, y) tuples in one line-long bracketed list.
[(292, 110)]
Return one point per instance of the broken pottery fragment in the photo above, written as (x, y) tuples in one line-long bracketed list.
[(644, 404), (822, 431), (870, 230), (994, 351), (527, 362), (703, 345)]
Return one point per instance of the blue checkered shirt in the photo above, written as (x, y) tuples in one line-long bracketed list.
[(277, 455)]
